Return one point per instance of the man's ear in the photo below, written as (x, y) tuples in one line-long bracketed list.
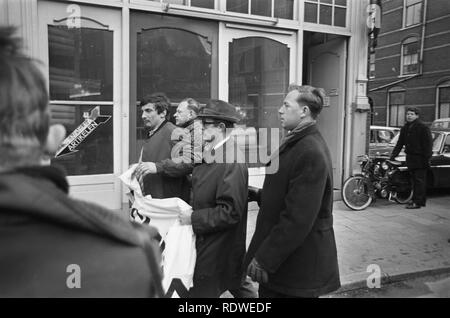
[(55, 137)]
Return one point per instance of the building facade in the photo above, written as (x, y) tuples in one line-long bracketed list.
[(411, 63), (102, 56)]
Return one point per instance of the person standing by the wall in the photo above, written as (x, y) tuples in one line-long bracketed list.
[(293, 250), (416, 137)]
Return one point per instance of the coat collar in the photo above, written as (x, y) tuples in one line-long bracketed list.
[(296, 136), (52, 174)]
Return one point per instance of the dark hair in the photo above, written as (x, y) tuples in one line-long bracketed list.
[(415, 110), (160, 100), (312, 97), (192, 104), (24, 115)]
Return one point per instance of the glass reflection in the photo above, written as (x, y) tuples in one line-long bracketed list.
[(80, 63), (92, 152), (258, 80)]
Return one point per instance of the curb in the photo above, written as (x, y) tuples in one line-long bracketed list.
[(388, 279)]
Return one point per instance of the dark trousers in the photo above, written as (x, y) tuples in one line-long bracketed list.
[(268, 293), (419, 180), (205, 288)]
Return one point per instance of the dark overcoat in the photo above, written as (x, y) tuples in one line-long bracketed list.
[(219, 221), (155, 149), (50, 242), (294, 238), (416, 137)]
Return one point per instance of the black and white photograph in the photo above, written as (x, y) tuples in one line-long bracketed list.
[(240, 151)]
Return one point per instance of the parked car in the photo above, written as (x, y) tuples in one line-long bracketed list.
[(441, 123), (439, 174), (382, 140)]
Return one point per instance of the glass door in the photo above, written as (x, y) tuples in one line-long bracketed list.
[(80, 47), (173, 55), (261, 64)]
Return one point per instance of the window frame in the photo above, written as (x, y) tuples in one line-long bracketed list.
[(409, 40), (407, 7), (389, 106), (333, 6), (445, 84)]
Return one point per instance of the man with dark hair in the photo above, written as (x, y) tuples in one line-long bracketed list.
[(219, 217), (50, 244), (416, 137), (187, 138), (158, 147), (293, 250)]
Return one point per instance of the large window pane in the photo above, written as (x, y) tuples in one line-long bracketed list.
[(209, 4), (284, 9), (240, 6), (311, 12), (91, 150), (262, 7), (340, 2), (80, 63), (339, 16), (258, 80), (175, 62), (325, 14)]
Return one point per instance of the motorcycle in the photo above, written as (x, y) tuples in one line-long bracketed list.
[(379, 178)]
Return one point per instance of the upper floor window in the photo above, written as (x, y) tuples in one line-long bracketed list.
[(329, 12), (283, 9), (413, 12), (443, 106), (410, 56)]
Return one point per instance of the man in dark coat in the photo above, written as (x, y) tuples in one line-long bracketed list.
[(50, 244), (293, 250), (416, 137), (158, 146), (219, 217)]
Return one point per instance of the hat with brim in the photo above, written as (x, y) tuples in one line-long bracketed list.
[(219, 110)]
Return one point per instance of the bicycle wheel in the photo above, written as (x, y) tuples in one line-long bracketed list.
[(403, 191), (404, 196), (355, 193)]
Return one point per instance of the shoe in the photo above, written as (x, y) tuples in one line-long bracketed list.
[(413, 206)]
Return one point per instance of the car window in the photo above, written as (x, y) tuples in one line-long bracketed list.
[(447, 145), (385, 136), (437, 140), (395, 139)]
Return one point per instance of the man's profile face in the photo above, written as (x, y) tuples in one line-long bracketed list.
[(291, 113), (183, 114), (150, 116), (411, 116)]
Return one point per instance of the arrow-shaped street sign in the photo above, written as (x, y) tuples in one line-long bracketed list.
[(69, 145)]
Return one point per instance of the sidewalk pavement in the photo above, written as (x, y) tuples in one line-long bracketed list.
[(402, 242)]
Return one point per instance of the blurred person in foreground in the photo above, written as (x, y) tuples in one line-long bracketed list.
[(50, 244)]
